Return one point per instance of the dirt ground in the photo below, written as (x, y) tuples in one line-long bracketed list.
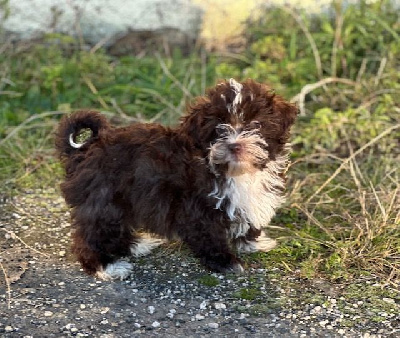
[(43, 292)]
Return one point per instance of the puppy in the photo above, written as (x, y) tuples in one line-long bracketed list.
[(213, 182)]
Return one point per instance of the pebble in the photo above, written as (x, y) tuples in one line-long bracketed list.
[(220, 306), (317, 309), (213, 325), (388, 300), (199, 317), (155, 324), (199, 309)]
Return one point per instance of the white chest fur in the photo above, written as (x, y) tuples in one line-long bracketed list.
[(253, 197)]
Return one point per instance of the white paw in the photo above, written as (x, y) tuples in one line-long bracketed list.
[(119, 270), (145, 245), (264, 243), (246, 246)]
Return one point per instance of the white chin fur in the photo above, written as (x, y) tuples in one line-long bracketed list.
[(145, 245), (119, 270)]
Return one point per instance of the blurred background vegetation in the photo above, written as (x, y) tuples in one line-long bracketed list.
[(341, 66)]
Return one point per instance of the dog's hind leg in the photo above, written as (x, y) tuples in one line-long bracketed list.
[(101, 243)]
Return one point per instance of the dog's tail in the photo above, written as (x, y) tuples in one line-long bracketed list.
[(71, 125)]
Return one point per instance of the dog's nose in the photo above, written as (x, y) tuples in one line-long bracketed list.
[(235, 148)]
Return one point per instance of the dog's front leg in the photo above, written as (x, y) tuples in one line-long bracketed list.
[(252, 241), (209, 242)]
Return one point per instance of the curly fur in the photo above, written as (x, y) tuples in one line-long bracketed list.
[(213, 181)]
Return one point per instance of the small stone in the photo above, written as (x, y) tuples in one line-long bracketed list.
[(151, 309), (317, 309), (137, 325), (82, 306), (203, 305), (104, 310), (388, 300), (199, 317), (242, 316), (104, 322), (8, 328), (213, 325), (155, 324), (341, 331), (61, 253), (48, 313), (220, 306)]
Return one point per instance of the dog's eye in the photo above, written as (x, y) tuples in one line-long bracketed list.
[(255, 125), (220, 131), (223, 129)]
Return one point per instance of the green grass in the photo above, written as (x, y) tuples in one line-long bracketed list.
[(342, 215), (208, 280)]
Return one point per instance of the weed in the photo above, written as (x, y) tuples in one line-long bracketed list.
[(342, 215), (208, 280), (248, 293)]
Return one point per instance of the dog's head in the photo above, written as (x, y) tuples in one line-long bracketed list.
[(240, 126)]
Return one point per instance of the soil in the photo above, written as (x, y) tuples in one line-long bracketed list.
[(44, 293)]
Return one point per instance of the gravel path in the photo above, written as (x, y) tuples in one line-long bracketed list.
[(168, 295)]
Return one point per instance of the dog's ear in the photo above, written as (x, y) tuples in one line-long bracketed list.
[(275, 114), (277, 121), (203, 115)]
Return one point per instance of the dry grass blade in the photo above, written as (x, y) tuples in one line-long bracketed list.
[(95, 92), (13, 235), (27, 121), (314, 220), (7, 281), (347, 160), (173, 78), (300, 98), (309, 37), (336, 42)]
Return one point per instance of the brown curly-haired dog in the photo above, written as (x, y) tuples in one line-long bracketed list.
[(213, 182)]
